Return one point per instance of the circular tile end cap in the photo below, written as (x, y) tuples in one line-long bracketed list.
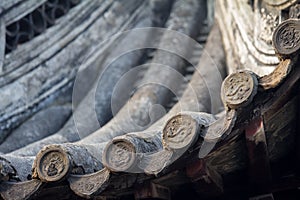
[(53, 164), (180, 132), (119, 156), (286, 37), (238, 89)]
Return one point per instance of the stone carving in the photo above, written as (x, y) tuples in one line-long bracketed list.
[(267, 23), (157, 162), (89, 185), (222, 127), (179, 131), (238, 89), (280, 4), (295, 11), (247, 29), (21, 190), (286, 38), (119, 155), (52, 165), (141, 144)]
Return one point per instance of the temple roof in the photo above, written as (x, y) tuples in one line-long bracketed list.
[(139, 100)]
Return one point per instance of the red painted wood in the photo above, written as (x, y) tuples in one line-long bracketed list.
[(259, 167)]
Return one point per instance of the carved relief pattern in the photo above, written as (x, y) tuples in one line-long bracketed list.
[(287, 37), (87, 185), (268, 23), (179, 131), (53, 166), (295, 11), (157, 161), (120, 154), (280, 4), (238, 89), (21, 190)]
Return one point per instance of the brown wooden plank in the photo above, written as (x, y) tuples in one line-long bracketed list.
[(207, 182), (153, 191), (259, 166)]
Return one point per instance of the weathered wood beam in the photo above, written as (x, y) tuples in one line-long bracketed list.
[(259, 166), (298, 140), (206, 181), (229, 151), (123, 184), (228, 136), (236, 148), (57, 191), (281, 134), (173, 179), (152, 191)]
